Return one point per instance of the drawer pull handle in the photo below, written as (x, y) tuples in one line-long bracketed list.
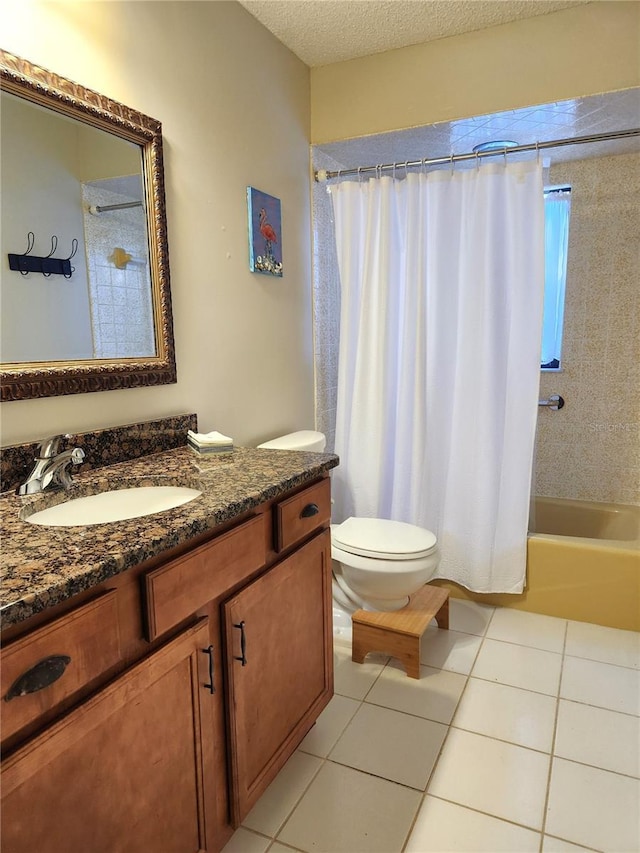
[(44, 673), (243, 644), (309, 510), (210, 686)]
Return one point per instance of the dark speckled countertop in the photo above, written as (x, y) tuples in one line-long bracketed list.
[(42, 566)]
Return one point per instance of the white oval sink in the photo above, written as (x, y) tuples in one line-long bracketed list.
[(117, 505)]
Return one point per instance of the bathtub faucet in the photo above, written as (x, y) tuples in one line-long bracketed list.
[(51, 467), (554, 402)]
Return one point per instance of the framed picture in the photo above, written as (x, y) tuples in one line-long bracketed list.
[(265, 233)]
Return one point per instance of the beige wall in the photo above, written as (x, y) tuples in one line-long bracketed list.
[(102, 155), (234, 104), (590, 450), (579, 51), (41, 193)]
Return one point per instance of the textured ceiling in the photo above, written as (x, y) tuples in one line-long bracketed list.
[(323, 31)]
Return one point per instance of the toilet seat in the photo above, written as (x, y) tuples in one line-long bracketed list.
[(382, 539)]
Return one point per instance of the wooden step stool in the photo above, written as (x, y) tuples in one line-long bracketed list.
[(398, 632)]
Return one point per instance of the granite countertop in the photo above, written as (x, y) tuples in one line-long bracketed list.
[(42, 566)]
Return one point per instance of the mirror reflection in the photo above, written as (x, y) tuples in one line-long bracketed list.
[(73, 191), (86, 297)]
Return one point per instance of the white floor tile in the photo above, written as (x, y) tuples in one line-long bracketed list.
[(469, 617), (605, 739), (602, 684), (607, 645), (518, 666), (329, 726), (394, 746), (528, 629), (498, 778), (557, 845), (355, 679), (277, 802), (594, 807), (433, 696), (507, 713), (344, 811), (443, 827), (384, 732), (243, 841), (450, 650)]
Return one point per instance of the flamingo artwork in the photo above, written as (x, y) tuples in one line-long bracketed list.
[(266, 229), (265, 232)]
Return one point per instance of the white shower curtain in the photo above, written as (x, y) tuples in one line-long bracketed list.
[(442, 284)]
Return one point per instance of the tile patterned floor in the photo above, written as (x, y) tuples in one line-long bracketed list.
[(522, 734)]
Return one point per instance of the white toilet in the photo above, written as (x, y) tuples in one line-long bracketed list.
[(304, 439), (383, 562), (377, 563)]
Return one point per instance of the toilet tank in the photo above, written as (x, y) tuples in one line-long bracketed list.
[(305, 439)]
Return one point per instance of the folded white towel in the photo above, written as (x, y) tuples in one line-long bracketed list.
[(210, 439)]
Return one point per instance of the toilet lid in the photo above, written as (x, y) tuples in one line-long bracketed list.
[(381, 538)]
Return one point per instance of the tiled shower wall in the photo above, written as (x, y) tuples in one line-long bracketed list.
[(121, 306), (590, 450)]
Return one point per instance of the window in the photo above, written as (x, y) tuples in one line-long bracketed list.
[(557, 206)]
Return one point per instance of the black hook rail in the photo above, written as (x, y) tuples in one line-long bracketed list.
[(47, 265)]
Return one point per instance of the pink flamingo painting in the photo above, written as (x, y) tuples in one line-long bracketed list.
[(267, 232)]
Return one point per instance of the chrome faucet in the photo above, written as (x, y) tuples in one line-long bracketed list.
[(51, 468)]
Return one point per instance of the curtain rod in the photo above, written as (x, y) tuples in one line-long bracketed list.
[(323, 175), (101, 208)]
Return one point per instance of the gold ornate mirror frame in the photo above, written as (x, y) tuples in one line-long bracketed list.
[(45, 379)]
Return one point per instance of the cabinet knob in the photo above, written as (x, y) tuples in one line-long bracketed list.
[(309, 510), (43, 674)]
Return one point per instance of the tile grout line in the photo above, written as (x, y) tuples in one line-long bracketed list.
[(446, 737), (323, 759), (602, 662), (545, 806), (284, 821)]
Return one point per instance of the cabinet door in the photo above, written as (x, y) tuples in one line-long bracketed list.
[(126, 771), (279, 663)]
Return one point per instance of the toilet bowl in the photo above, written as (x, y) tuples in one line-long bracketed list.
[(380, 563), (377, 563)]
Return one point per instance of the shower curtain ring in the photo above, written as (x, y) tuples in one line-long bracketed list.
[(359, 174), (451, 163), (477, 161), (538, 151)]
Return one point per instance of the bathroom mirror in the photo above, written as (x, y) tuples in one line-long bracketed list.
[(85, 300)]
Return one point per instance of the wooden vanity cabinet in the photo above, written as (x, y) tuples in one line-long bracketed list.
[(278, 666), (170, 748), (128, 770)]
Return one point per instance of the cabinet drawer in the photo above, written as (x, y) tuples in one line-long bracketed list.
[(300, 515), (181, 587), (51, 663)]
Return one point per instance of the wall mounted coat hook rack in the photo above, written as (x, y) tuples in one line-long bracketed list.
[(47, 265)]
